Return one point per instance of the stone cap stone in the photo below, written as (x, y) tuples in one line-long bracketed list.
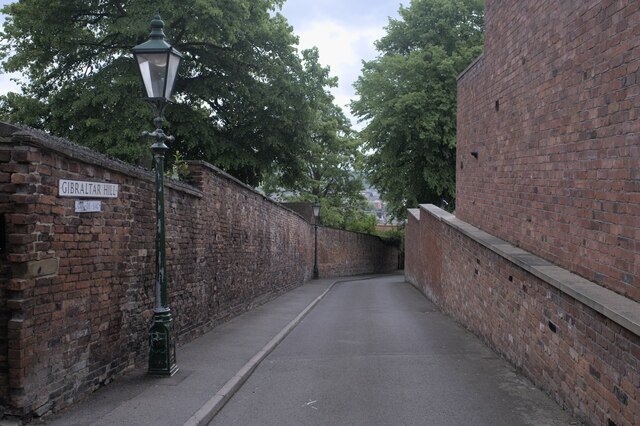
[(621, 310)]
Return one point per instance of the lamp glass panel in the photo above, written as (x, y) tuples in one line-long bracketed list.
[(174, 61), (153, 68), (316, 210)]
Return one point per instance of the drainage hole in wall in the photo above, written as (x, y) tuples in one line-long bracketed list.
[(552, 327), (510, 278)]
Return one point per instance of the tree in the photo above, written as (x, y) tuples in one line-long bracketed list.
[(407, 95), (241, 95), (330, 159)]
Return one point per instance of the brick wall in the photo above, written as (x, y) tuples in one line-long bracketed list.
[(303, 209), (584, 360), (552, 111), (77, 291), (548, 164), (342, 253)]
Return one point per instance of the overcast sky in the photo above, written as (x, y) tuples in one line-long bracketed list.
[(5, 84), (343, 30)]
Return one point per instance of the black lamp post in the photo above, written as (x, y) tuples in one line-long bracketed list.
[(316, 214), (158, 65)]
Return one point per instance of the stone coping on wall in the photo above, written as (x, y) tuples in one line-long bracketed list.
[(39, 139), (238, 182), (617, 308), (471, 65), (415, 213)]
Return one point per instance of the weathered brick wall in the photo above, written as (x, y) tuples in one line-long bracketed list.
[(5, 274), (303, 209), (342, 253), (587, 362), (77, 288), (552, 111), (548, 159)]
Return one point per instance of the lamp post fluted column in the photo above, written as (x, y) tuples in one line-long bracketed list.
[(316, 274), (162, 345), (316, 214)]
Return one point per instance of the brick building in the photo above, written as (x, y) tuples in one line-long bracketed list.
[(542, 257)]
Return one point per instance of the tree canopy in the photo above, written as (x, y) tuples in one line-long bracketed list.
[(330, 160), (243, 96), (407, 96)]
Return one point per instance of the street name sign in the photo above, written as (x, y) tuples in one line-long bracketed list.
[(88, 206), (79, 188)]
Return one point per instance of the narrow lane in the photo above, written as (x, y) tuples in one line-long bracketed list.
[(376, 352)]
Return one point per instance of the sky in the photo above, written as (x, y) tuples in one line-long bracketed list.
[(6, 85), (343, 30)]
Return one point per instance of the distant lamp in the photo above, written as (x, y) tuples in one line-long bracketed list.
[(316, 215)]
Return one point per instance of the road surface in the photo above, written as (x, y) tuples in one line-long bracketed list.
[(376, 352)]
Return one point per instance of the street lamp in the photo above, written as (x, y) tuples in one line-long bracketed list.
[(158, 65), (316, 214)]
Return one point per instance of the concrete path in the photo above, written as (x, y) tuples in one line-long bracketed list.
[(372, 351), (376, 352), (211, 368)]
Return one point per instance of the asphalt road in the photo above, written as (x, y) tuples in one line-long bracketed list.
[(376, 352)]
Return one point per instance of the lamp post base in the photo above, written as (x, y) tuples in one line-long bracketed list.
[(162, 344)]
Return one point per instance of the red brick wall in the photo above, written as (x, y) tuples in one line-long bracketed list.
[(585, 361), (77, 288), (552, 111), (343, 253)]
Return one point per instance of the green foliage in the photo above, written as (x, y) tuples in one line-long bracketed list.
[(329, 159), (347, 214), (179, 169), (394, 237), (362, 222), (408, 98), (242, 95)]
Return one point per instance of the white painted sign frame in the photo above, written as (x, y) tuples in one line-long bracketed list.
[(87, 189)]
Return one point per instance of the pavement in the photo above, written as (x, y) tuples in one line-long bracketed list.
[(211, 368), (375, 351)]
